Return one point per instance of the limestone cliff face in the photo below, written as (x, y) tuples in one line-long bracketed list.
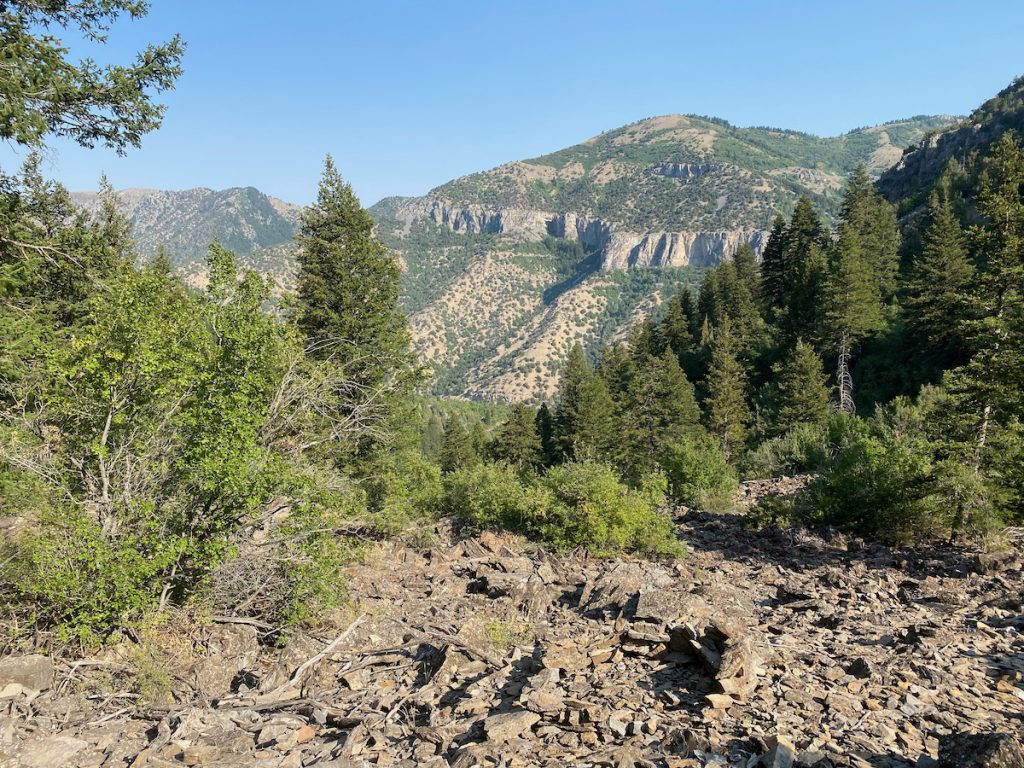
[(619, 247), (627, 250)]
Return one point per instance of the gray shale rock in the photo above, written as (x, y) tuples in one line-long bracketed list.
[(977, 750)]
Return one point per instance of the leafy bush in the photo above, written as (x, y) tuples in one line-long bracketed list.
[(805, 448), (878, 486), (576, 504), (494, 495), (404, 487), (698, 474)]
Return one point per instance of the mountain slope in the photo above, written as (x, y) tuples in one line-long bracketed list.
[(257, 227), (910, 179), (505, 270)]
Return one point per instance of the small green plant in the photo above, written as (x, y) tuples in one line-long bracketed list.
[(699, 475), (504, 634)]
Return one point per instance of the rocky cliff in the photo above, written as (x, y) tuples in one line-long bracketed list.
[(577, 245)]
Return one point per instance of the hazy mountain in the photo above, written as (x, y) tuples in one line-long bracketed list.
[(257, 227)]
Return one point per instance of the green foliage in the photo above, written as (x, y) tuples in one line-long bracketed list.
[(347, 298), (877, 486), (585, 412), (727, 412), (47, 94), (517, 442), (699, 475), (403, 488), (572, 505), (801, 392)]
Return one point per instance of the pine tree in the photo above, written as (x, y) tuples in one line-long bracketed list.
[(457, 448), (545, 426), (803, 280), (938, 287), (585, 413), (517, 442), (801, 389), (618, 367), (348, 285), (745, 261), (728, 414), (661, 409), (773, 287), (874, 221), (852, 306), (676, 326), (690, 311)]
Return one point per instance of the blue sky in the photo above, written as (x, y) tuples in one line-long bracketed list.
[(408, 94)]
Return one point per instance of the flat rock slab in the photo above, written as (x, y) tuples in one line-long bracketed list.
[(509, 725), (34, 673)]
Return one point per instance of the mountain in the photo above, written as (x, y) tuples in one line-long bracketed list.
[(910, 179), (505, 270), (257, 227)]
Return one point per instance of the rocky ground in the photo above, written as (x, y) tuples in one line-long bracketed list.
[(773, 649)]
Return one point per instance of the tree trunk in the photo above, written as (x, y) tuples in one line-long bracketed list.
[(844, 381)]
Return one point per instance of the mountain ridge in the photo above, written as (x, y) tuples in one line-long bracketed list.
[(505, 269)]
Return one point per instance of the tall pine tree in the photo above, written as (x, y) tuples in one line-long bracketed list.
[(727, 411), (585, 413), (801, 389)]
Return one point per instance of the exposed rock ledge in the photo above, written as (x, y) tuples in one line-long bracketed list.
[(620, 248)]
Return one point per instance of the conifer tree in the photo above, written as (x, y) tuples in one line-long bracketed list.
[(690, 311), (773, 270), (801, 389), (585, 413), (874, 221), (805, 267), (545, 426), (938, 287), (727, 412), (457, 448), (745, 261), (517, 442), (661, 409), (676, 326), (618, 368), (348, 285), (852, 306)]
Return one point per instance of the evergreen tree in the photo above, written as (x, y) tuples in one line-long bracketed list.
[(618, 367), (805, 263), (517, 442), (45, 93), (801, 389), (348, 286), (545, 426), (457, 448), (727, 412), (676, 326), (773, 288), (745, 261), (852, 306), (874, 221), (938, 287), (585, 413), (691, 312), (661, 410), (987, 394)]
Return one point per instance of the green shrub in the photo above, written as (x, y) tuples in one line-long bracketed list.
[(805, 448), (577, 504), (493, 495), (877, 486), (699, 475), (404, 487)]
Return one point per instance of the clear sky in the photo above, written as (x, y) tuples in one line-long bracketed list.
[(407, 94)]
